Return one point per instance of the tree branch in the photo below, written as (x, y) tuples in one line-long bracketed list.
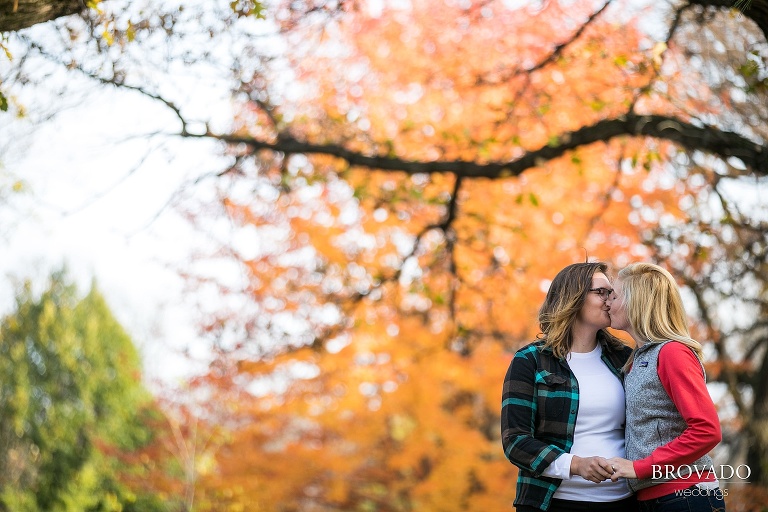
[(548, 59), (20, 14), (757, 10), (707, 139)]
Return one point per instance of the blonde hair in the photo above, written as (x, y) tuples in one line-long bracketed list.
[(654, 306), (561, 307)]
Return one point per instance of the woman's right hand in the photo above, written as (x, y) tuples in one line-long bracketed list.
[(622, 468), (594, 469)]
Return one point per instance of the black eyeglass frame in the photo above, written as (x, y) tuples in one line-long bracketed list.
[(604, 293)]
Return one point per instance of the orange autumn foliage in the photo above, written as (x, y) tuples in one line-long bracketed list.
[(385, 306)]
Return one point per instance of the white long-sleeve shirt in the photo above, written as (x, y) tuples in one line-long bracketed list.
[(599, 430)]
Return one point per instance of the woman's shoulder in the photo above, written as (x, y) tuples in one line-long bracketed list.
[(531, 348), (534, 350), (674, 348)]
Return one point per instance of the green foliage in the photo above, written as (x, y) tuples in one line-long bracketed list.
[(248, 8), (71, 404), (4, 47)]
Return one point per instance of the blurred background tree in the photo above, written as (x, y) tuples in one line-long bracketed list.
[(72, 405)]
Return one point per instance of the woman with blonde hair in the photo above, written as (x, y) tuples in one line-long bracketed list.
[(562, 414), (672, 423)]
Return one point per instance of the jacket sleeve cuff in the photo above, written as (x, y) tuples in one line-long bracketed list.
[(643, 468), (560, 467), (546, 458)]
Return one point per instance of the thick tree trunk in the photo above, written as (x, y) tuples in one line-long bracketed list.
[(757, 452), (20, 14)]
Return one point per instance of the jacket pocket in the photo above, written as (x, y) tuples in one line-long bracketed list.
[(552, 379), (551, 391)]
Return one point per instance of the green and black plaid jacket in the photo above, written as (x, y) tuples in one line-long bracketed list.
[(539, 405)]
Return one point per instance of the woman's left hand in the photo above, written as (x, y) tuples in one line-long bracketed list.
[(622, 468)]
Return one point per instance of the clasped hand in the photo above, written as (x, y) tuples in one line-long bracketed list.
[(597, 469)]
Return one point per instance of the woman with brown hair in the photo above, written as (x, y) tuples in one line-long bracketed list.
[(562, 414)]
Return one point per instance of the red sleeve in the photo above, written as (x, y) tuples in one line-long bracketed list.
[(682, 378)]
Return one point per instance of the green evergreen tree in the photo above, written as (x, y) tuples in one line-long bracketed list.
[(71, 405)]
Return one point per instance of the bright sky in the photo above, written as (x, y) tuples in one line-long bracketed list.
[(84, 207), (97, 189)]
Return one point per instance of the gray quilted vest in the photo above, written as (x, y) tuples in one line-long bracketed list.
[(652, 418)]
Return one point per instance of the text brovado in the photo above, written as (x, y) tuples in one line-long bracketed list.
[(670, 472)]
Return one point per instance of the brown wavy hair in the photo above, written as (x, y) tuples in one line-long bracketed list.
[(565, 298)]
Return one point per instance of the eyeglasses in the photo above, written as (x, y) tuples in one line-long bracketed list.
[(604, 293)]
